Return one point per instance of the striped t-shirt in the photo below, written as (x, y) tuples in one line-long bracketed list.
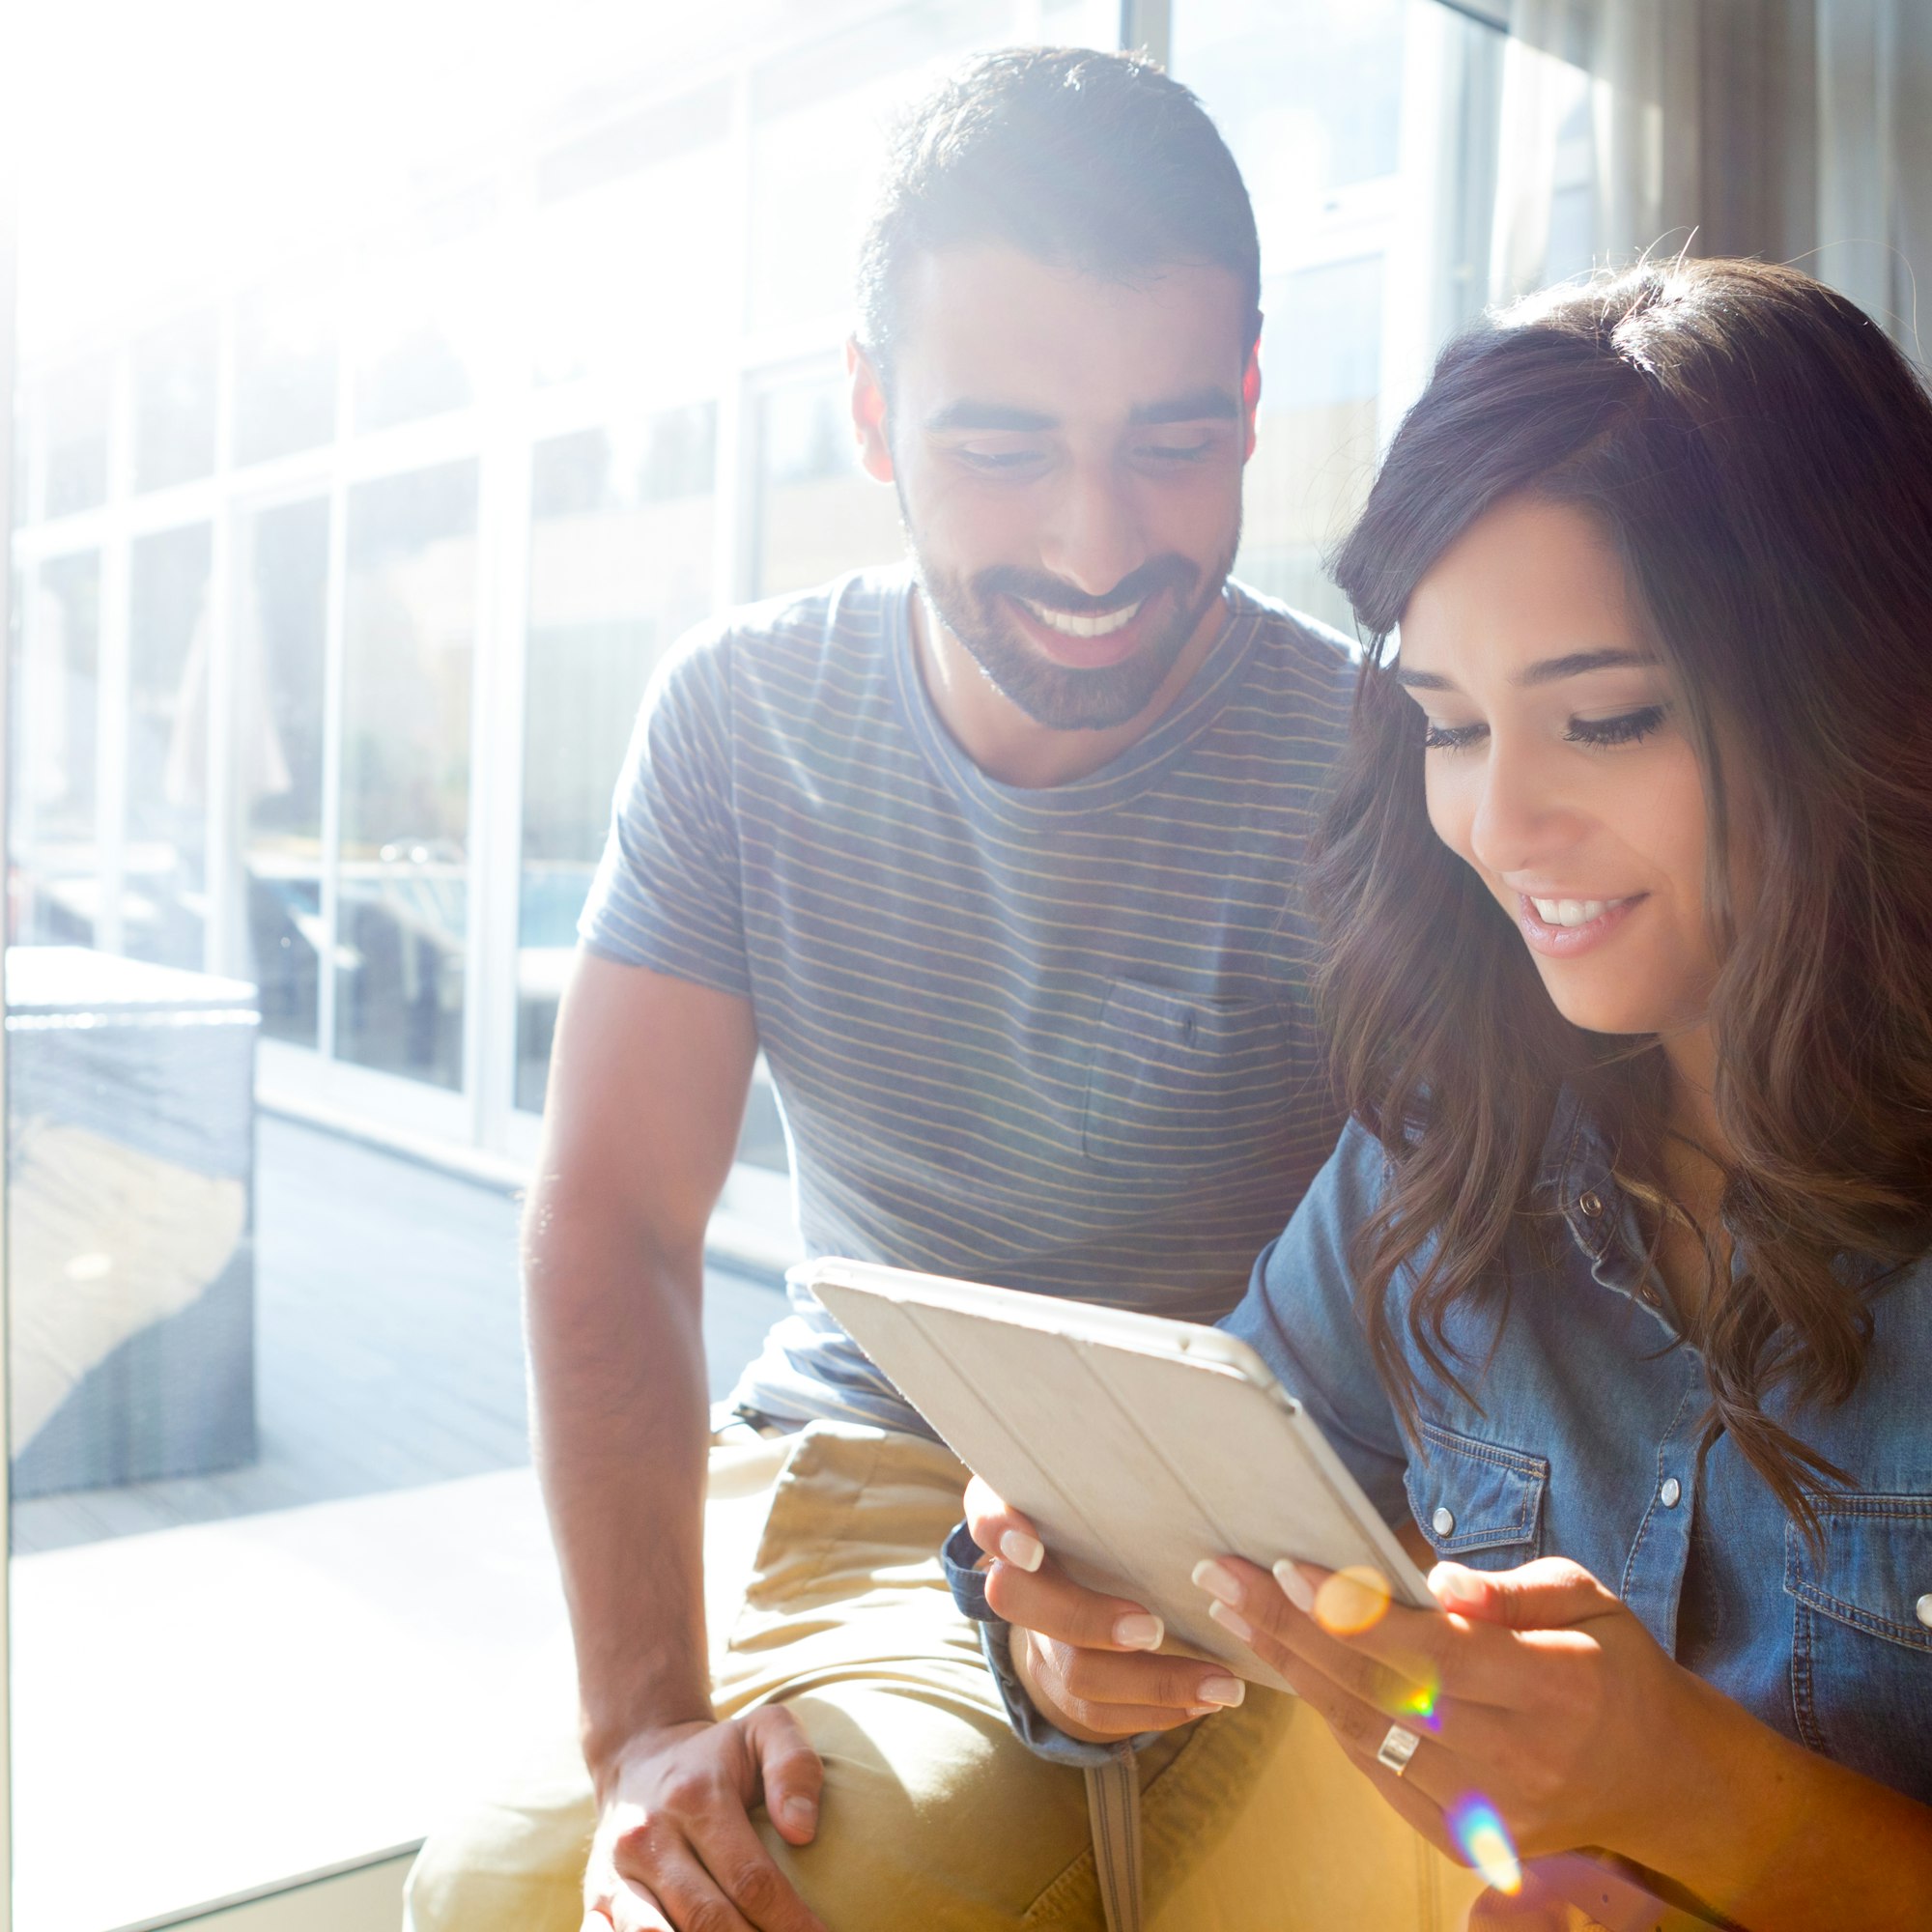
[(1059, 1040)]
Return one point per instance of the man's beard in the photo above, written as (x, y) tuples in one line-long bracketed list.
[(1063, 696)]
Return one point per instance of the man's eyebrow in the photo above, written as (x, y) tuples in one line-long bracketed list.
[(967, 413), (1211, 403), (1551, 671)]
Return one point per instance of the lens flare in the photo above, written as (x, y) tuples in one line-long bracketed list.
[(1485, 1842), (1351, 1601), (1419, 1703)]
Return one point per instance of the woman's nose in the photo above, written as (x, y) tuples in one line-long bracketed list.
[(1518, 822)]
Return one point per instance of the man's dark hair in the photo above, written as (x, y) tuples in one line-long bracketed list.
[(1095, 161)]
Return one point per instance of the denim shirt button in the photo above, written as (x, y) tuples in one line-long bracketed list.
[(1591, 1204), (1443, 1523), (1922, 1609), (1672, 1488)]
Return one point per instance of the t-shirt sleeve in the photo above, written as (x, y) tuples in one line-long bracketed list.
[(669, 892), (1299, 1316)]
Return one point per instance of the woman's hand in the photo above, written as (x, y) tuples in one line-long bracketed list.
[(1538, 1691), (1087, 1662)]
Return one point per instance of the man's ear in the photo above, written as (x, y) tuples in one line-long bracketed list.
[(1251, 395), (868, 413)]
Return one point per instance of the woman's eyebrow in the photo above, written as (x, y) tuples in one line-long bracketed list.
[(1550, 670)]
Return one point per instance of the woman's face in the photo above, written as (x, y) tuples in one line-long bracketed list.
[(1557, 767)]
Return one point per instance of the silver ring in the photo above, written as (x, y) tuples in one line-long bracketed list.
[(1397, 1748)]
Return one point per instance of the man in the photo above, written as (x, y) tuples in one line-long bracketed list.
[(997, 862)]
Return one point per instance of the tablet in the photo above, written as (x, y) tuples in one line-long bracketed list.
[(1137, 1445)]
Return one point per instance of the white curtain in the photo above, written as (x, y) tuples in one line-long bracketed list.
[(1797, 130), (1601, 137)]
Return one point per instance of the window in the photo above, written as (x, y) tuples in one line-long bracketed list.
[(622, 541), (280, 699), (56, 751), (403, 864), (1374, 235)]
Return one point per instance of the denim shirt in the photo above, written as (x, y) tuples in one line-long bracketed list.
[(1581, 1441)]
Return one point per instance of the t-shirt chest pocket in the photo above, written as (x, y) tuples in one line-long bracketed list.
[(1180, 1087), (1478, 1502), (1861, 1636)]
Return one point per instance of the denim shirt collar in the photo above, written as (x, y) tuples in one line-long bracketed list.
[(1576, 1177)]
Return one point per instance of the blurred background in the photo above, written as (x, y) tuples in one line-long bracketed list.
[(394, 384)]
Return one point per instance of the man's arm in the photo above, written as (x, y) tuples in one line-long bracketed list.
[(647, 1085)]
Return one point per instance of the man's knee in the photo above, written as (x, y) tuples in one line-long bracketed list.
[(514, 1867), (934, 1815)]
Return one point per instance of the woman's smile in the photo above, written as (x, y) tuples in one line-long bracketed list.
[(1560, 928)]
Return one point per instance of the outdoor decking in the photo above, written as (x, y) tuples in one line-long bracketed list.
[(388, 1343)]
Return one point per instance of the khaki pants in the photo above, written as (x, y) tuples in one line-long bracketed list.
[(823, 1589)]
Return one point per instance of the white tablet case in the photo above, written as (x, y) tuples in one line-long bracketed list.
[(1137, 1445)]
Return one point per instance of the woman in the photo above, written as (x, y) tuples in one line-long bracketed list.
[(1616, 1289)]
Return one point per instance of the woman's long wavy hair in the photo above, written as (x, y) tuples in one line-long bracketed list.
[(1760, 457)]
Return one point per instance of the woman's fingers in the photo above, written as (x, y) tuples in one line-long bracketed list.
[(1116, 1696), (1052, 1602), (1001, 1531)]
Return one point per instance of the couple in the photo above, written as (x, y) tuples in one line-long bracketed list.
[(1620, 917)]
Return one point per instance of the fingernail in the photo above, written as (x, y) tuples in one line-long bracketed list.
[(800, 1812), (1217, 1580), (1140, 1632), (1294, 1586), (1022, 1550), (1226, 1691), (1453, 1582), (1201, 1710), (1232, 1619)]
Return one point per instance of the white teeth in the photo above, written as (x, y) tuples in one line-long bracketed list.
[(1572, 912), (1101, 626)]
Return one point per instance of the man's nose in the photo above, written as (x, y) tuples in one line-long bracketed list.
[(1093, 535)]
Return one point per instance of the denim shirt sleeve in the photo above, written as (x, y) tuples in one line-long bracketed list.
[(960, 1557), (1299, 1316)]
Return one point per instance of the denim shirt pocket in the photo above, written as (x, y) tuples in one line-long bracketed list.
[(1860, 1650), (1478, 1502), (1180, 1086)]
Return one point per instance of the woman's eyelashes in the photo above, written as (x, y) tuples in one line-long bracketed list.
[(1628, 727)]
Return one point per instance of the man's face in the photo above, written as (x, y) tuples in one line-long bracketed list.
[(1067, 452)]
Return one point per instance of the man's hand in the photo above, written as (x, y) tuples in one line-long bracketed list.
[(675, 1846), (1086, 1660)]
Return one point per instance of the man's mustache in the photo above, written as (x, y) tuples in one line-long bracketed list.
[(1053, 593)]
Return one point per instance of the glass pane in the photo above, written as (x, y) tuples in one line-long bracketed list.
[(1308, 95), (174, 403), (74, 409), (621, 564), (1364, 134), (817, 513), (638, 272), (403, 867), (281, 636), (163, 888), (1315, 445), (421, 321), (284, 372), (817, 129), (57, 890)]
